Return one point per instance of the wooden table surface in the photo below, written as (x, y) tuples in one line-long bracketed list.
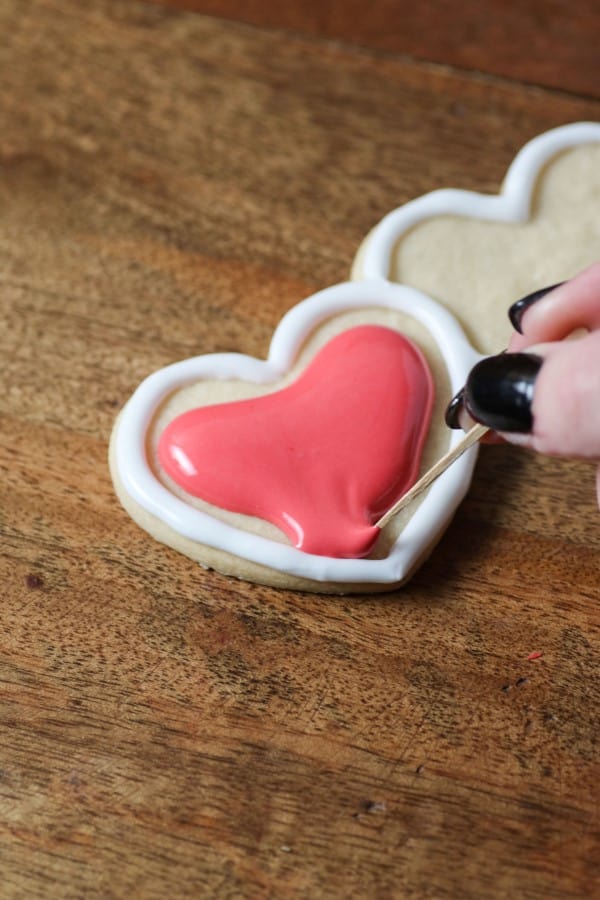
[(174, 176)]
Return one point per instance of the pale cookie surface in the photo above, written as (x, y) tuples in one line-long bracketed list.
[(247, 546), (447, 246), (477, 254)]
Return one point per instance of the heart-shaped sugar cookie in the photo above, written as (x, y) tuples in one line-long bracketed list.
[(304, 518), (322, 458), (381, 417), (477, 253)]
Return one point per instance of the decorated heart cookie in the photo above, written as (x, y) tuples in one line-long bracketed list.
[(338, 446), (277, 471)]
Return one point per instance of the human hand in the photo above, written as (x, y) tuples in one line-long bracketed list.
[(544, 392)]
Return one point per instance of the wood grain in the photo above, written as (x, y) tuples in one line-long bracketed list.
[(171, 183), (553, 44)]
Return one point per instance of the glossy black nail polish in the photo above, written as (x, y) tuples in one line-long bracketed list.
[(453, 410), (518, 309), (499, 391)]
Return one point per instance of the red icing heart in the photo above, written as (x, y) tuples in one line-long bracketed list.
[(323, 458)]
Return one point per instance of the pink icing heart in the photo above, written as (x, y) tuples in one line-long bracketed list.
[(323, 458)]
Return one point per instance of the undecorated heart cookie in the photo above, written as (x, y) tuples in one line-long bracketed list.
[(277, 471), (478, 253)]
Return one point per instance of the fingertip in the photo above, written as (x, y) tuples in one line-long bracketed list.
[(499, 391), (518, 309), (554, 313), (565, 408)]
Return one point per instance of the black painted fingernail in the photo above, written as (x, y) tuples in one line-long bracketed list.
[(499, 391), (518, 309), (454, 408)]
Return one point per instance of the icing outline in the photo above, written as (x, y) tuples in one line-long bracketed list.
[(141, 484), (511, 206)]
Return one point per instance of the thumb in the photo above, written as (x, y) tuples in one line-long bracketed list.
[(547, 398)]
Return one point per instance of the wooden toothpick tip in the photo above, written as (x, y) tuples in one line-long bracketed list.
[(471, 437)]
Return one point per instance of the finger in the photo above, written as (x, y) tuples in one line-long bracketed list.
[(550, 314), (467, 422), (570, 306), (547, 399), (457, 417), (566, 401)]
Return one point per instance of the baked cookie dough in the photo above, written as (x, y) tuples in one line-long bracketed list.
[(439, 272)]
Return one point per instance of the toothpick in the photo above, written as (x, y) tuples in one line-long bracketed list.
[(470, 438)]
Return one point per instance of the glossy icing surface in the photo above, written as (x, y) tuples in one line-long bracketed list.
[(137, 480), (322, 458), (134, 474)]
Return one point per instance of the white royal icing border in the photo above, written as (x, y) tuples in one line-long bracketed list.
[(511, 205), (141, 484)]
